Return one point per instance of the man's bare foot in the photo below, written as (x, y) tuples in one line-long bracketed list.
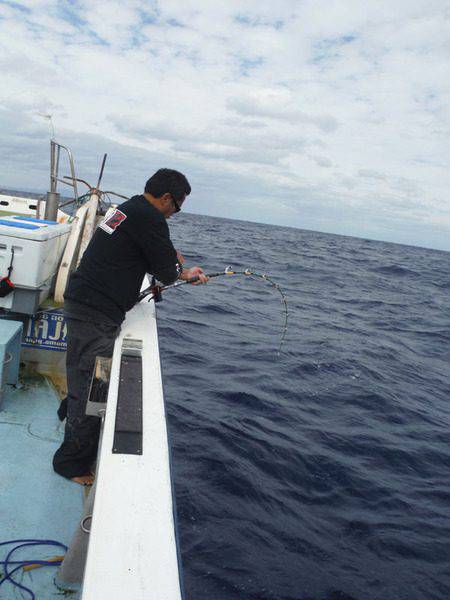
[(84, 479)]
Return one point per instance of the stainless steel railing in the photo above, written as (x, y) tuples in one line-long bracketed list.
[(53, 197)]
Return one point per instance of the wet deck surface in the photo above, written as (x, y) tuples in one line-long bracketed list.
[(35, 503)]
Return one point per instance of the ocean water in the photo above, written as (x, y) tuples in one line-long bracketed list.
[(322, 473)]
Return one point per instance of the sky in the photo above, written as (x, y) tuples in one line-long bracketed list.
[(330, 115)]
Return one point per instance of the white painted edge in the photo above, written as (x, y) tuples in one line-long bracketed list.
[(132, 549)]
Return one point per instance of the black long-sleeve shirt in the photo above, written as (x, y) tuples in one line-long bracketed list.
[(133, 241)]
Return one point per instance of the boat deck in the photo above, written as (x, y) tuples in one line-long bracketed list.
[(35, 503)]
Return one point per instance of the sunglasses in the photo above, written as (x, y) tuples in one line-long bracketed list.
[(177, 206)]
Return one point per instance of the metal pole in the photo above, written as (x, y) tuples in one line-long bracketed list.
[(51, 206), (52, 202)]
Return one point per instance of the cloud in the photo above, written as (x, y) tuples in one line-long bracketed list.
[(323, 161), (276, 105), (371, 174), (347, 105)]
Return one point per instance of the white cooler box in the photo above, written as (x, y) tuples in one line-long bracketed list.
[(38, 248)]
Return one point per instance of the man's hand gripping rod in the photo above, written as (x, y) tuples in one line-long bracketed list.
[(156, 290)]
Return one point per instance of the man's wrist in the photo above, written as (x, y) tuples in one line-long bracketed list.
[(184, 274)]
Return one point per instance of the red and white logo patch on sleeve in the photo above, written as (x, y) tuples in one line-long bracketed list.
[(111, 223)]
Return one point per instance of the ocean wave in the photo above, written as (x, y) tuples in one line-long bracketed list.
[(320, 473), (395, 270)]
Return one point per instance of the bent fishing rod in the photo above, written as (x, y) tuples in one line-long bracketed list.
[(154, 291)]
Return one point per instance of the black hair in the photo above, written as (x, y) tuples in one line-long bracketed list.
[(168, 181)]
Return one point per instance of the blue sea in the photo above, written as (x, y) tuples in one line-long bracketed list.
[(322, 473)]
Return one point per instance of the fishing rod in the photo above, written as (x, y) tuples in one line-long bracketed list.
[(154, 291)]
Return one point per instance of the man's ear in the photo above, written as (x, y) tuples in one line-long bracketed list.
[(166, 198)]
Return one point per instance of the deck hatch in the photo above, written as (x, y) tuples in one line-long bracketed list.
[(128, 426)]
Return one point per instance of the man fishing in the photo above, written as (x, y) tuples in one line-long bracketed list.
[(131, 242)]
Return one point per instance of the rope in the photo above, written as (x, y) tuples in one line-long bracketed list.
[(10, 268), (23, 564)]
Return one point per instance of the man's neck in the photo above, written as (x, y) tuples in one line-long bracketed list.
[(159, 203), (154, 201)]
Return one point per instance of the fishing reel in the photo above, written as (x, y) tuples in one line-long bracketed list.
[(156, 292)]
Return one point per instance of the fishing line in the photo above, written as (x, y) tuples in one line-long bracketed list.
[(155, 291)]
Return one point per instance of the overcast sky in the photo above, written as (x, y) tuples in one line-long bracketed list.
[(319, 114)]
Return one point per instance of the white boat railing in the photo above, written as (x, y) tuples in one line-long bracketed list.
[(128, 530), (132, 550), (19, 205)]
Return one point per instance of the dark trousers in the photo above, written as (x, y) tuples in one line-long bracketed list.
[(85, 341)]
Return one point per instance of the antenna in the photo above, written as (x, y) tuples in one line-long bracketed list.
[(48, 118), (101, 171)]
